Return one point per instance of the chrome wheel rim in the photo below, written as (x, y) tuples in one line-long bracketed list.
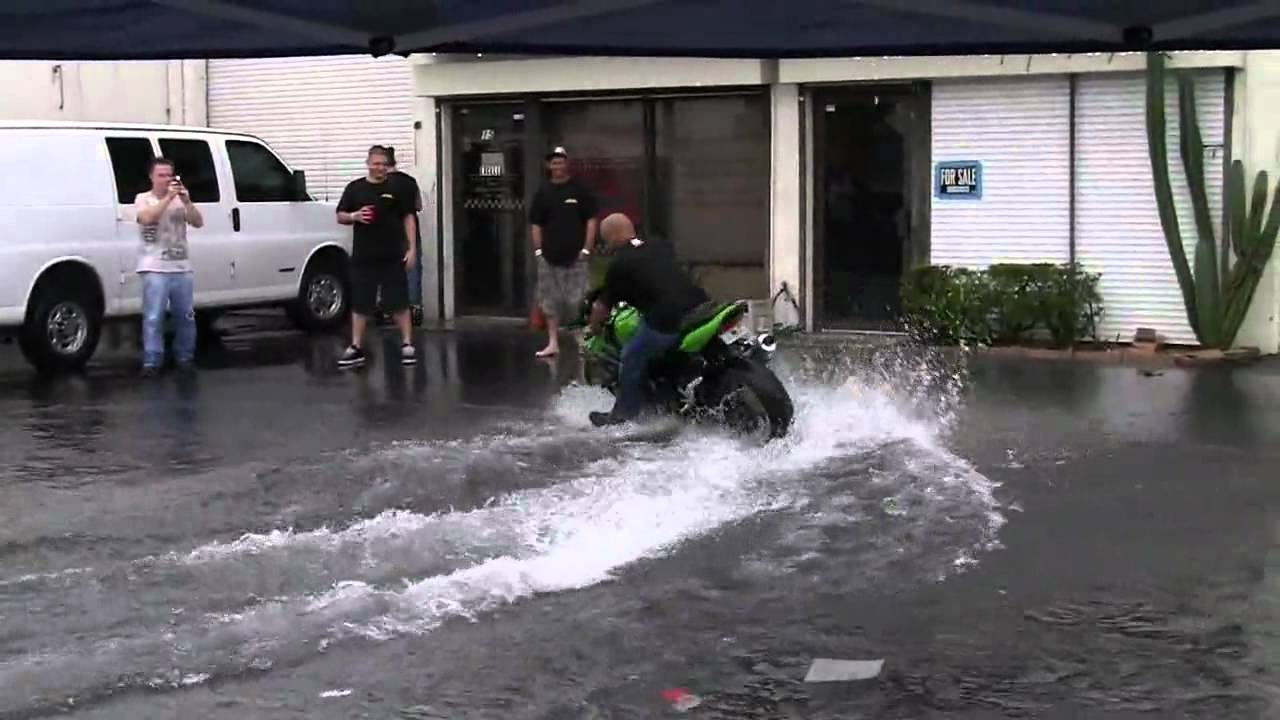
[(324, 297), (67, 328)]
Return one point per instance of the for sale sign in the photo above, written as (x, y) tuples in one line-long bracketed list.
[(958, 180)]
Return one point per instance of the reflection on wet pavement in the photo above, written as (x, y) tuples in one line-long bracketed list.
[(1013, 539)]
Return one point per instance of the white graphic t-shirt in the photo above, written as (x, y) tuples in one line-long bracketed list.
[(164, 244)]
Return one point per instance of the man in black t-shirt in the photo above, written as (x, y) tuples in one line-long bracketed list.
[(562, 225), (383, 230), (648, 279)]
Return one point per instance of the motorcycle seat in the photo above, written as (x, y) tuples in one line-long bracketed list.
[(700, 315)]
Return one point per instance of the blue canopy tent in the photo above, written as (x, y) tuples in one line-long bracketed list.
[(172, 29)]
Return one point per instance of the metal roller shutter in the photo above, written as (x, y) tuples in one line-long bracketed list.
[(321, 114), (1117, 223), (1020, 130)]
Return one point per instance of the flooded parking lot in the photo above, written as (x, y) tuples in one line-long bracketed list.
[(275, 538)]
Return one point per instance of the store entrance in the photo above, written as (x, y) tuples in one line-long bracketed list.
[(490, 235), (871, 185)]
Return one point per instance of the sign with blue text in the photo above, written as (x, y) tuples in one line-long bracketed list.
[(958, 180)]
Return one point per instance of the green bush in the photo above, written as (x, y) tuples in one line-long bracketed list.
[(1002, 304)]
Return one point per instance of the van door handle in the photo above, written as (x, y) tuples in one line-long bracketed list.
[(235, 219)]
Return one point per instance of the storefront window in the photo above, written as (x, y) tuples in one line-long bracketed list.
[(605, 140), (711, 195)]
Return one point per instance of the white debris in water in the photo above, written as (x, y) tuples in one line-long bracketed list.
[(336, 693), (829, 670)]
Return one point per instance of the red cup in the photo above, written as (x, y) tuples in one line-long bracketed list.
[(373, 213)]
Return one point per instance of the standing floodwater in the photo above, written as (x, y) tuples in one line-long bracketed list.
[(486, 552)]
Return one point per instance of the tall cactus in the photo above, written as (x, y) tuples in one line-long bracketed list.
[(1218, 295)]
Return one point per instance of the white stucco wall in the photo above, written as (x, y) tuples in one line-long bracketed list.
[(144, 92)]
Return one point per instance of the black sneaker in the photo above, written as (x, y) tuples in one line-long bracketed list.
[(601, 419), (408, 354), (353, 357)]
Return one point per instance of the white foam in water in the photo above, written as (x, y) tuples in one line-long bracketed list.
[(582, 532), (573, 534)]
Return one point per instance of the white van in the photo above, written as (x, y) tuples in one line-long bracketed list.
[(69, 236)]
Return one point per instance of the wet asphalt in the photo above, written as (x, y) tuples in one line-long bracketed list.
[(1013, 538)]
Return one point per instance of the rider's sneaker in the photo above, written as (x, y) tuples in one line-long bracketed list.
[(408, 354), (601, 419)]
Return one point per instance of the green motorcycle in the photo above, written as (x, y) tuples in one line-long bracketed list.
[(719, 371)]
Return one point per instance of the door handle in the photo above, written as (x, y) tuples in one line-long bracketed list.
[(235, 219)]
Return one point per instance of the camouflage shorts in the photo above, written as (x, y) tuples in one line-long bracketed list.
[(560, 289)]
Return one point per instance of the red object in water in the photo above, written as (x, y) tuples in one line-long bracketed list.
[(674, 694), (536, 319)]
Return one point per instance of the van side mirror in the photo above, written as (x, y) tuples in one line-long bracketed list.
[(300, 186)]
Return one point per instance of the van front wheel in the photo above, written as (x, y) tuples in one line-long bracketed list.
[(62, 329), (323, 298)]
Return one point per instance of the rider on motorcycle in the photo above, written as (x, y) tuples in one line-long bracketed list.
[(650, 281)]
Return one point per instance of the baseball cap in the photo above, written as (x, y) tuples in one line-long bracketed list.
[(558, 151)]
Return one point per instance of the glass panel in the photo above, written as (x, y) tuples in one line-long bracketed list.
[(863, 188), (130, 158), (711, 196), (605, 141), (193, 161), (490, 231), (258, 174)]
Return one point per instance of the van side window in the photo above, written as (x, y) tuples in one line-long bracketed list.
[(259, 176), (129, 160), (193, 161)]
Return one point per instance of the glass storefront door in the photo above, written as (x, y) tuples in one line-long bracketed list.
[(870, 158), (491, 246)]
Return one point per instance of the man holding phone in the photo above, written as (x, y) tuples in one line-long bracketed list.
[(163, 214), (383, 230)]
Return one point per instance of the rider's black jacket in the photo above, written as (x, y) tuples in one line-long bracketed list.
[(647, 278)]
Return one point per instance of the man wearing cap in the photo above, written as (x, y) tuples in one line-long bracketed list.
[(562, 225)]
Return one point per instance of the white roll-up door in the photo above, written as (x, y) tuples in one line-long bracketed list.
[(321, 114), (1118, 231), (1019, 129)]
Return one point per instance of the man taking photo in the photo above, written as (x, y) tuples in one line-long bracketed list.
[(382, 251)]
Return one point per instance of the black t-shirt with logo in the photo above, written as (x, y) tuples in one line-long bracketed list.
[(562, 211), (649, 279), (383, 240)]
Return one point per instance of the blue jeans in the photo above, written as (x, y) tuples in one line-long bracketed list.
[(172, 292), (644, 347)]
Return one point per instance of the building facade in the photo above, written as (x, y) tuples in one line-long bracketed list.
[(827, 178), (814, 180)]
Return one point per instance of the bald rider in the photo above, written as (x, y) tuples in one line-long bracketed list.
[(649, 280)]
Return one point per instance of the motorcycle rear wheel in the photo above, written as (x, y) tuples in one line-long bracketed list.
[(754, 402)]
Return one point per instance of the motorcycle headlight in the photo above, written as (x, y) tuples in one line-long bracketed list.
[(767, 342)]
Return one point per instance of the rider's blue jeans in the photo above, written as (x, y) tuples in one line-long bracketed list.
[(636, 355)]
